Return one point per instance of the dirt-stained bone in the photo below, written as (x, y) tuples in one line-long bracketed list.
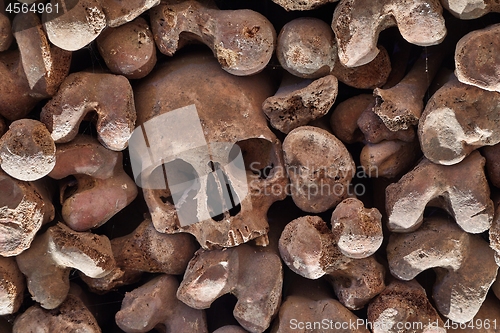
[(477, 60), (357, 24), (319, 167), (344, 120), (464, 264), (24, 207), (242, 40), (12, 286), (45, 65), (358, 229), (299, 101), (312, 58), (129, 50), (100, 187), (252, 274), (119, 12), (492, 156), (301, 4), (458, 119), (75, 24), (310, 249), (461, 189), (155, 303), (27, 151), (110, 96), (6, 37), (145, 250), (403, 302), (470, 9), (230, 329), (52, 255), (70, 316)]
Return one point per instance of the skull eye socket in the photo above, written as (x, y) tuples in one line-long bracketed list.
[(259, 156)]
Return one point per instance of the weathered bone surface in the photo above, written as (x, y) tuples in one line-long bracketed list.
[(27, 151), (230, 123), (155, 303), (45, 65), (129, 50), (470, 9), (458, 119), (12, 286), (70, 316), (401, 106), (464, 264), (110, 96), (243, 41), (119, 12), (145, 250), (344, 120), (24, 207), (307, 57), (404, 302), (310, 249), (301, 4), (100, 187), (358, 229), (75, 25), (319, 167), (230, 329), (254, 275), (389, 159), (298, 102), (494, 235), (310, 302), (461, 189), (477, 60), (420, 22), (6, 37), (52, 255), (492, 156), (485, 319), (376, 131)]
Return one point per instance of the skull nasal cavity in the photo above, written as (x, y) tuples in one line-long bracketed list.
[(222, 199)]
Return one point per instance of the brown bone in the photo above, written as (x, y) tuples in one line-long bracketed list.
[(6, 37), (12, 285), (119, 12), (302, 4), (242, 40), (471, 9), (420, 22), (107, 94)]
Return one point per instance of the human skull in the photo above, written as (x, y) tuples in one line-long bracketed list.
[(203, 153)]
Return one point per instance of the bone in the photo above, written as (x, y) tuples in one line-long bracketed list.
[(52, 255), (24, 208), (110, 96), (155, 303), (476, 59), (403, 302), (243, 41), (470, 9), (12, 286), (145, 250), (120, 12), (211, 274), (291, 5), (449, 188), (389, 159), (230, 329), (45, 65), (307, 57), (485, 320), (100, 188), (71, 316), (464, 264), (358, 229), (74, 24), (494, 236), (419, 22), (319, 167), (3, 126), (315, 305), (457, 120), (492, 155), (298, 102), (401, 106), (129, 50), (232, 123), (344, 120), (6, 36), (27, 151), (310, 249)]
